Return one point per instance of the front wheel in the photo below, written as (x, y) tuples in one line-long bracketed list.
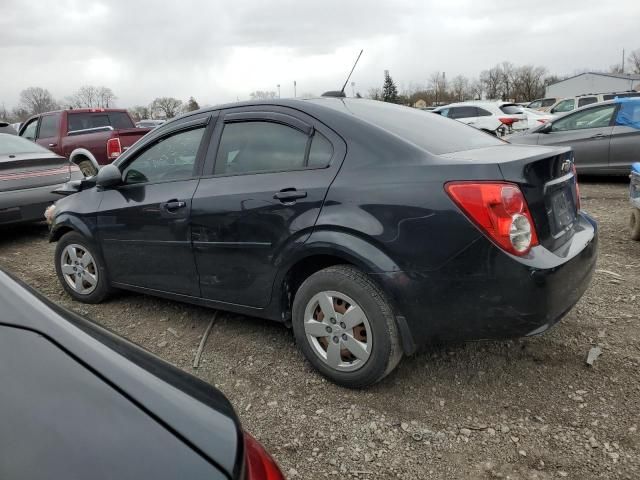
[(345, 327), (80, 270)]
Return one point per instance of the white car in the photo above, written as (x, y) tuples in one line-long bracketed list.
[(493, 117), (535, 117), (565, 105)]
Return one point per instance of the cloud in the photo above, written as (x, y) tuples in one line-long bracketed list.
[(219, 51)]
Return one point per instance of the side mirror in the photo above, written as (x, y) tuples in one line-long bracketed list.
[(108, 176)]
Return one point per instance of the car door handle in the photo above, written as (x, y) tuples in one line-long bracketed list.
[(173, 205), (597, 135), (289, 195), (53, 145)]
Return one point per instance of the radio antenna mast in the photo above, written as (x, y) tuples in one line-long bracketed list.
[(354, 67)]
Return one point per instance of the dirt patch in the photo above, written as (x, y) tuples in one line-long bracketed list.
[(525, 409)]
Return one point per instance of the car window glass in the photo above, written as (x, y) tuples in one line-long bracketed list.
[(49, 126), (591, 118), (83, 121), (172, 158), (536, 104), (548, 102), (30, 130), (564, 106), (481, 112), (260, 147), (320, 152), (608, 97), (462, 112), (586, 101), (444, 112), (511, 109), (120, 120)]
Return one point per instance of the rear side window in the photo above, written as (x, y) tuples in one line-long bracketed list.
[(120, 120), (586, 101), (511, 109), (320, 152), (462, 112), (260, 146), (49, 126), (483, 113)]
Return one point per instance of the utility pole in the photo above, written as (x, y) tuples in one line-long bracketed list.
[(278, 90), (294, 89), (623, 61)]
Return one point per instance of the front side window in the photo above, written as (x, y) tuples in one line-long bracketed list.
[(260, 146), (591, 118), (30, 130), (483, 113), (171, 158), (49, 126), (564, 106), (535, 104)]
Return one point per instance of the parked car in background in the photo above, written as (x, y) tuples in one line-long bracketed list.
[(565, 105), (87, 137), (371, 227), (149, 123), (491, 117), (16, 126), (28, 175), (89, 404), (7, 128), (536, 117), (605, 136), (542, 104)]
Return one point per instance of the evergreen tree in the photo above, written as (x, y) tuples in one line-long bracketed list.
[(192, 105), (389, 89)]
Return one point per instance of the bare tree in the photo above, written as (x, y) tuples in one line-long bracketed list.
[(460, 87), (634, 61), (508, 72), (529, 82), (37, 100), (491, 81), (438, 84), (476, 89), (139, 112), (260, 95), (168, 106), (616, 68), (89, 96), (375, 93)]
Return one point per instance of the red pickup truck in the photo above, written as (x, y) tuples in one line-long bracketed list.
[(88, 137)]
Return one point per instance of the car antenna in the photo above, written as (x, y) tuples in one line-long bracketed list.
[(340, 93)]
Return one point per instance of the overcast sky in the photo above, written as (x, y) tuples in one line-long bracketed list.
[(219, 51)]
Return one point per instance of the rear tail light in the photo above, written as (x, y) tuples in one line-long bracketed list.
[(113, 148), (507, 121), (500, 210), (575, 176), (259, 464)]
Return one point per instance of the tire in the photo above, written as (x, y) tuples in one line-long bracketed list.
[(87, 168), (84, 277), (634, 224), (329, 345)]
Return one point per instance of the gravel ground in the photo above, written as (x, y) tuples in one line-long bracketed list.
[(524, 409)]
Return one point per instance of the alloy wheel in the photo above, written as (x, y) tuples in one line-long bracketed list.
[(338, 330), (79, 269)]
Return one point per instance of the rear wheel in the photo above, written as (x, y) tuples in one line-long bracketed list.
[(634, 224), (87, 167), (80, 270), (345, 327)]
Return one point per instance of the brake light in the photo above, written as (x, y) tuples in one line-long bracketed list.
[(259, 464), (575, 176), (113, 148), (500, 210), (507, 121)]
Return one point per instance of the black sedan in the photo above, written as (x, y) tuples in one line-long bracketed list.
[(28, 175), (80, 402), (371, 228)]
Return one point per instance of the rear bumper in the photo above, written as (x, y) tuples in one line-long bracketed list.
[(26, 205), (486, 293)]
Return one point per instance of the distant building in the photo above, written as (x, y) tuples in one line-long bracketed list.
[(592, 82), (420, 104)]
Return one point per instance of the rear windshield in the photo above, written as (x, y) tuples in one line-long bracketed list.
[(431, 132), (547, 102), (83, 121), (511, 108), (12, 144)]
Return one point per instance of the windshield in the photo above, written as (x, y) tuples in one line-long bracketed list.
[(12, 144), (433, 133)]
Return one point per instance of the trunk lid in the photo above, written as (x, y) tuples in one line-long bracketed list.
[(31, 170), (547, 180)]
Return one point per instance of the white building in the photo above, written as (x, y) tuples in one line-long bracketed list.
[(592, 82)]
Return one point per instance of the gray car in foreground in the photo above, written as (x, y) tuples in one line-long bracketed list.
[(28, 175), (605, 137)]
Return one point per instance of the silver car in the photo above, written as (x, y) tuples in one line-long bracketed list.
[(605, 136)]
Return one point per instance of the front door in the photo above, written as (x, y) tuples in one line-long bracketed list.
[(269, 174), (588, 132), (49, 132), (144, 223)]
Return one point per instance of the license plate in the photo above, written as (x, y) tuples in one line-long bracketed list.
[(563, 209)]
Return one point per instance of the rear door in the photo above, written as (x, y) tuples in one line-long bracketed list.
[(269, 170), (49, 132), (588, 132), (144, 223)]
